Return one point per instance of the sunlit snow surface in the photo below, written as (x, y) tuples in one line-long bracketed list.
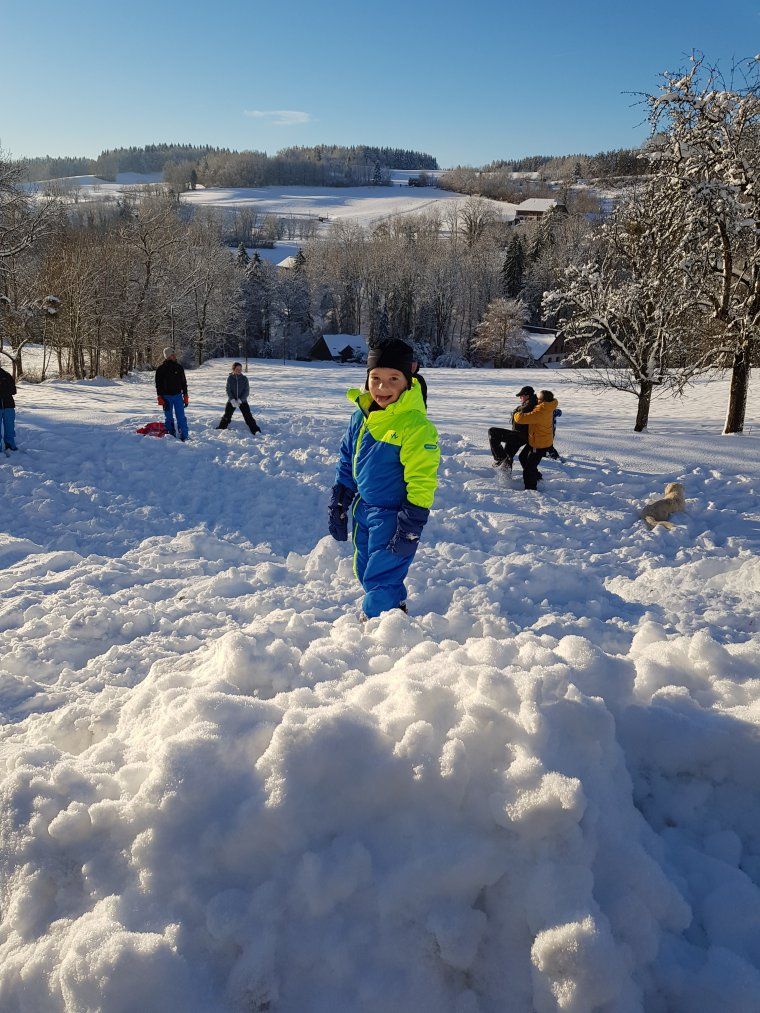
[(222, 792), (367, 205)]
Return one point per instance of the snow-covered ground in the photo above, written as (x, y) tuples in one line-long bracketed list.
[(365, 204), (222, 792), (91, 187)]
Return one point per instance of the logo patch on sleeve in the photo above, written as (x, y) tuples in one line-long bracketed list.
[(431, 446)]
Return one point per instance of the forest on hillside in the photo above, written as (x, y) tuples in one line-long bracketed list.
[(322, 164), (515, 179)]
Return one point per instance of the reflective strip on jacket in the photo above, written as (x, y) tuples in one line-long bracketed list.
[(540, 424), (390, 455)]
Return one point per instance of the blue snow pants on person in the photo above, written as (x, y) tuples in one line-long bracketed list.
[(174, 403), (8, 428), (380, 571)]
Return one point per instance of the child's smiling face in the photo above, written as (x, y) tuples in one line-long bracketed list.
[(386, 385)]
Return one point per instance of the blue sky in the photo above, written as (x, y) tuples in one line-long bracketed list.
[(467, 81)]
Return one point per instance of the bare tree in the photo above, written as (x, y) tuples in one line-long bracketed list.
[(627, 313), (499, 336), (211, 292), (151, 235), (26, 218), (24, 323), (476, 217), (707, 146)]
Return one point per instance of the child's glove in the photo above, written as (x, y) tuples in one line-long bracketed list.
[(235, 402), (160, 400), (340, 503), (411, 521), (185, 400)]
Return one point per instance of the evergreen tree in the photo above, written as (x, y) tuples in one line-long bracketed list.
[(514, 268), (300, 262), (242, 259), (258, 301), (193, 179), (546, 226), (536, 243), (377, 175)]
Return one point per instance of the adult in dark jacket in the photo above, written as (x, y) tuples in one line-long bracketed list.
[(238, 390), (171, 388), (506, 442), (7, 411)]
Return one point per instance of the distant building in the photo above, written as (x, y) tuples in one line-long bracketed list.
[(545, 347), (339, 348), (534, 208), (287, 264)]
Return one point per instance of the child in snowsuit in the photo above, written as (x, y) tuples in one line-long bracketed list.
[(540, 422), (386, 477), (7, 411), (171, 393), (238, 390)]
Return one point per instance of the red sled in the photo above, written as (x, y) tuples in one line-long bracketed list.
[(152, 429)]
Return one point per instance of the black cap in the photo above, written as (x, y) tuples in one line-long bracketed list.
[(394, 354), (524, 390)]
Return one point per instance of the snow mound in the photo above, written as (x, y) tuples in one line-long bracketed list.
[(223, 792)]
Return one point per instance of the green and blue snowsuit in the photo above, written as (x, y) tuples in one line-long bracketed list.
[(389, 458)]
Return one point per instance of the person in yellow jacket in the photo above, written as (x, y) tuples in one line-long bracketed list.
[(540, 423), (386, 476)]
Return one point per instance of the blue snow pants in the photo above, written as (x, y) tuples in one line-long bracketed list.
[(8, 428), (174, 403), (380, 571)]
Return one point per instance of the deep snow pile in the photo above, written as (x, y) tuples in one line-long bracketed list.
[(221, 791)]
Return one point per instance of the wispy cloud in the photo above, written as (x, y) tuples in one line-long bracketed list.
[(280, 117)]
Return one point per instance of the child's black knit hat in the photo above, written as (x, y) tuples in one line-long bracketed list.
[(393, 354)]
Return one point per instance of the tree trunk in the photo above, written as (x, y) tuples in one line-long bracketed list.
[(645, 400), (737, 398)]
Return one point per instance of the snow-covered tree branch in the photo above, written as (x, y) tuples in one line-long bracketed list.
[(706, 149), (626, 311)]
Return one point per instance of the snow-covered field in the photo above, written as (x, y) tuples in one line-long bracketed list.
[(222, 792), (365, 204), (89, 187)]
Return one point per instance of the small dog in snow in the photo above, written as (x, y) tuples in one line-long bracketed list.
[(659, 511)]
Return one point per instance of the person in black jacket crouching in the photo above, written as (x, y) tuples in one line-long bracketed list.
[(506, 442), (238, 390), (171, 390)]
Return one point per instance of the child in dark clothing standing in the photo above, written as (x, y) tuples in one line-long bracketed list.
[(238, 390)]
